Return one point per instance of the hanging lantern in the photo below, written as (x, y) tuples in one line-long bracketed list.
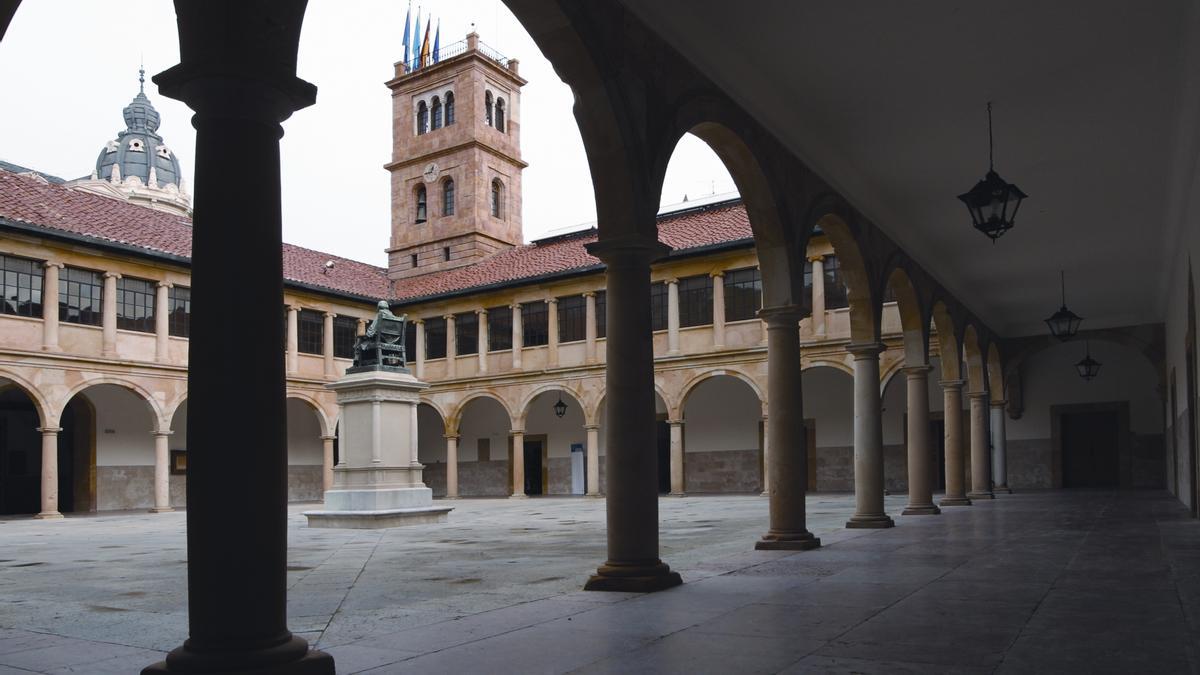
[(993, 203), (1088, 367), (560, 408), (1064, 323)]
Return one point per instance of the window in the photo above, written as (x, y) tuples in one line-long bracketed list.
[(695, 301), (535, 328), (449, 108), (448, 197), (499, 328), (601, 314), (743, 294), (658, 306), (345, 333), (466, 333), (435, 338), (135, 304), (500, 115), (22, 286), (422, 118), (80, 296), (487, 108), (572, 318), (446, 254), (889, 294), (497, 202), (310, 332), (422, 207), (179, 311), (806, 303), (410, 341), (835, 288), (436, 109), (413, 259)]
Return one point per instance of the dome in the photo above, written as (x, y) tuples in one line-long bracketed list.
[(138, 151)]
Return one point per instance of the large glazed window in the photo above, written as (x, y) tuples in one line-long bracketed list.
[(179, 311), (135, 304), (435, 338), (497, 200), (466, 333), (658, 306), (500, 115), (81, 297), (743, 294), (572, 318), (310, 330), (499, 328), (535, 325), (436, 109), (345, 330), (422, 118), (835, 286), (22, 279), (487, 108), (448, 197), (449, 108), (695, 301)]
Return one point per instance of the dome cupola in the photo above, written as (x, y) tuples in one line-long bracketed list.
[(138, 155)]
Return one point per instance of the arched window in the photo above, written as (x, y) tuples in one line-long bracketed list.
[(449, 108), (437, 113), (497, 198), (422, 118), (448, 197), (500, 114), (422, 209), (487, 108)]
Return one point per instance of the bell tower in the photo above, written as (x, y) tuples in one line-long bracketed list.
[(456, 159)]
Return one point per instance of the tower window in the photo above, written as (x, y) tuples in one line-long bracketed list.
[(136, 145), (449, 108), (500, 115), (437, 113), (446, 253), (497, 198), (448, 197), (422, 118), (422, 209), (487, 108), (413, 259)]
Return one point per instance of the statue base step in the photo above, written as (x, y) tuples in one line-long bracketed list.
[(378, 520)]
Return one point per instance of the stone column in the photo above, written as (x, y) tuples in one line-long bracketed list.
[(672, 316), (451, 346), (999, 449), (327, 345), (49, 474), (162, 472), (518, 463), (955, 466), (818, 294), (293, 339), (632, 473), (718, 282), (766, 460), (50, 307), (451, 466), (593, 459), (920, 473), (981, 465), (420, 347), (162, 327), (110, 314), (677, 476), (868, 440), (482, 339), (786, 440), (589, 327), (327, 462), (552, 330), (517, 337), (237, 484), (361, 327)]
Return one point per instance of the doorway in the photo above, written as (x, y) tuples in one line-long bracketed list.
[(1090, 449), (662, 442), (535, 473), (20, 454)]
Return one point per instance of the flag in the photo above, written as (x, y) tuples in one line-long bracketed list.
[(425, 46), (416, 38), (437, 43), (407, 16)]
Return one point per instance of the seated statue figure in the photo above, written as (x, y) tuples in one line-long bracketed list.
[(381, 347)]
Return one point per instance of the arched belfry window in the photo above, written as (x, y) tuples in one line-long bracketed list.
[(422, 118), (487, 108), (449, 108), (436, 109), (497, 198), (448, 197), (422, 206), (500, 114)]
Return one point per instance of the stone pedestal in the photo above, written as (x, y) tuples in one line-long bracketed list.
[(378, 483)]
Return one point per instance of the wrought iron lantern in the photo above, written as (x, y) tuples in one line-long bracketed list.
[(560, 408), (1064, 323), (993, 203), (1088, 367)]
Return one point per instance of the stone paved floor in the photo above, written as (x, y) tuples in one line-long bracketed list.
[(1052, 582)]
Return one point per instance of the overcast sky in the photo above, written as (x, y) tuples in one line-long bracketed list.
[(68, 67)]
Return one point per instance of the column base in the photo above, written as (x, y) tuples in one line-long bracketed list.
[(874, 522), (594, 495), (165, 509), (954, 501), (1003, 489), (520, 496), (633, 577), (49, 515), (980, 495), (676, 494), (52, 348), (804, 541), (924, 510), (181, 660), (765, 493)]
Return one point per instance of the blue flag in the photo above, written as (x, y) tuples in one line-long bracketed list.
[(407, 16), (416, 62), (437, 42)]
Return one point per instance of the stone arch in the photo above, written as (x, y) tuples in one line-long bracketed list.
[(322, 417), (823, 363), (441, 411), (523, 407), (686, 390), (455, 419), (913, 321), (973, 358), (995, 373), (156, 410), (885, 377), (672, 407), (40, 404), (949, 353), (864, 310)]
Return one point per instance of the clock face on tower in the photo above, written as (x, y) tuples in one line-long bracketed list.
[(431, 172)]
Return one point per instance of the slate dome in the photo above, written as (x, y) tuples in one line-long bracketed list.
[(139, 148)]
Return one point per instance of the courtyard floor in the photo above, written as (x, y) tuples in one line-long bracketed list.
[(1048, 582)]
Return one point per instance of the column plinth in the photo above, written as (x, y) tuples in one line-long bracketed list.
[(868, 440)]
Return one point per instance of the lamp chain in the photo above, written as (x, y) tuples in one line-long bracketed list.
[(991, 146)]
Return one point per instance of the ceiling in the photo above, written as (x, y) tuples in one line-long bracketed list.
[(886, 100)]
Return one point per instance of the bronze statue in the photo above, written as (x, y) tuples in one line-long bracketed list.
[(381, 347)]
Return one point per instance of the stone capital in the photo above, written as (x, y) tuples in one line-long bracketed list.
[(292, 307), (481, 312), (515, 305), (671, 281), (516, 432), (816, 258), (448, 317), (591, 427), (780, 316), (165, 284), (162, 432), (112, 275), (589, 294), (49, 431), (450, 437), (53, 263), (418, 322), (675, 423), (951, 384), (719, 274), (265, 92), (916, 371), (329, 437), (330, 315), (628, 250), (551, 301), (981, 395), (867, 350), (1000, 403)]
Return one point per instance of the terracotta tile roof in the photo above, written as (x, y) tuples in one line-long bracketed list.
[(705, 226), (89, 216)]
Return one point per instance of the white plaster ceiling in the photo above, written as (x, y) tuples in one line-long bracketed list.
[(886, 100)]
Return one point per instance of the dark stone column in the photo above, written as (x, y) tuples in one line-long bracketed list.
[(241, 86), (631, 463)]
